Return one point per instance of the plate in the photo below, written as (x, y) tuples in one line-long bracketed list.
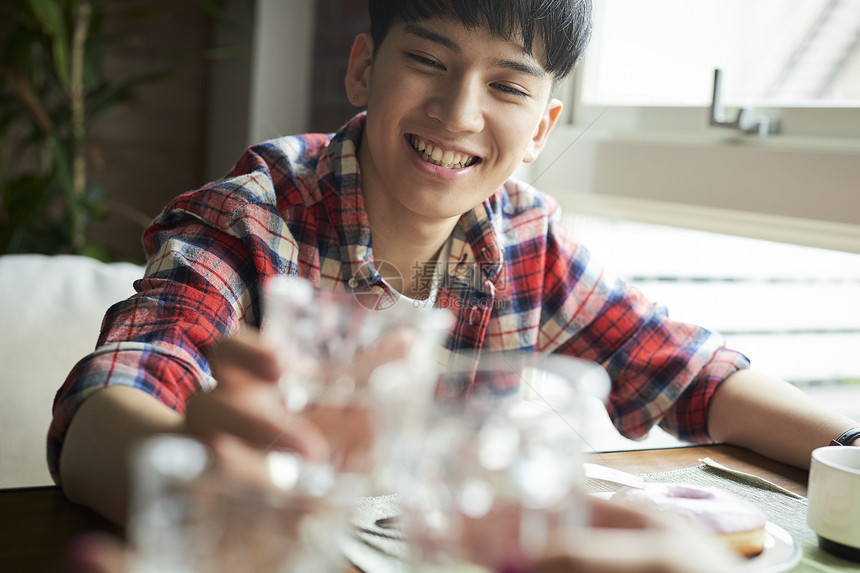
[(376, 526), (781, 552)]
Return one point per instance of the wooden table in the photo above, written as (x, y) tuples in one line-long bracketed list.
[(36, 524), (663, 460)]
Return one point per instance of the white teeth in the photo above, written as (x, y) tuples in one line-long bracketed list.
[(439, 156)]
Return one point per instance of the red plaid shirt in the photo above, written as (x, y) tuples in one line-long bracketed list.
[(514, 279)]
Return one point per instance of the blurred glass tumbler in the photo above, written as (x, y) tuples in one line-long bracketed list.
[(493, 474), (330, 344), (317, 335), (833, 509), (187, 518)]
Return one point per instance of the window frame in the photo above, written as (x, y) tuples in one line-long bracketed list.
[(799, 186)]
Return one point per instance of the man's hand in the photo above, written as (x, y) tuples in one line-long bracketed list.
[(244, 417), (623, 540)]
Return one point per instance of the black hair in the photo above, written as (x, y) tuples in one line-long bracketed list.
[(563, 25)]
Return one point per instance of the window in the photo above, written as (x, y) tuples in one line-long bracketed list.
[(636, 141), (748, 291), (772, 52)]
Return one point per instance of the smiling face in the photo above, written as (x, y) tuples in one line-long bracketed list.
[(451, 113)]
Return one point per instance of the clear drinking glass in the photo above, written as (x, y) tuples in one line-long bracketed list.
[(186, 517), (330, 344), (318, 335), (490, 473)]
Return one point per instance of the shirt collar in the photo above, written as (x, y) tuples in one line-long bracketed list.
[(476, 240)]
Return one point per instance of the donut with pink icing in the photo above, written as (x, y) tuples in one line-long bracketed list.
[(733, 519)]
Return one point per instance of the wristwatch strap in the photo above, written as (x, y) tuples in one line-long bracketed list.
[(847, 437)]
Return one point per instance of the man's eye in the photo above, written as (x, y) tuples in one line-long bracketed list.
[(425, 61), (506, 89)]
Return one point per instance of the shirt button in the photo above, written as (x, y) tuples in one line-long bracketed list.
[(474, 316), (352, 282), (376, 289)]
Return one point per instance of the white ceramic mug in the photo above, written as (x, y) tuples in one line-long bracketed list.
[(834, 499)]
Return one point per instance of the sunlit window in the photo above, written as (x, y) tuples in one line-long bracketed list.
[(772, 52)]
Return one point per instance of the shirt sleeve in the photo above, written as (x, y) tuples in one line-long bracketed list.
[(201, 282), (662, 371)]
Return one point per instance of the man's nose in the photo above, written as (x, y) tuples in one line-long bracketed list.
[(459, 106)]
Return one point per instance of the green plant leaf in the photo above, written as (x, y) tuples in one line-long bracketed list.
[(40, 210), (106, 96), (95, 202), (23, 197), (7, 118), (50, 16), (24, 202), (96, 252)]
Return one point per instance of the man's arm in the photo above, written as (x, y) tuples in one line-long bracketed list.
[(241, 419), (770, 416), (94, 460)]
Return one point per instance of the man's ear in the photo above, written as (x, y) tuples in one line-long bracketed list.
[(358, 73), (547, 122)]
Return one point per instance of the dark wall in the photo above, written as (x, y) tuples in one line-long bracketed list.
[(150, 149), (156, 146), (337, 24)]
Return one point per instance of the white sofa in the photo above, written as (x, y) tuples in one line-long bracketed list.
[(51, 309)]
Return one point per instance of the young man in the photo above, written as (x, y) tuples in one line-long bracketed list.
[(455, 100)]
